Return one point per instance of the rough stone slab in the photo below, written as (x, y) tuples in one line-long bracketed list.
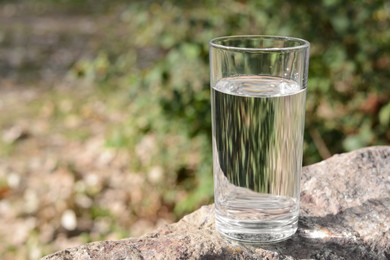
[(345, 214)]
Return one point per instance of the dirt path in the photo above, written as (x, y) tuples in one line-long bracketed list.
[(39, 43)]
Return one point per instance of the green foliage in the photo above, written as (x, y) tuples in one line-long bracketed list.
[(164, 66)]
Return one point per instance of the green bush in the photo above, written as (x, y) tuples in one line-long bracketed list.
[(162, 62)]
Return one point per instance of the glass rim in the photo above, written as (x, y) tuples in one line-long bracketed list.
[(302, 43)]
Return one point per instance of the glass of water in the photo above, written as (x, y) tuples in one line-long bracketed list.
[(258, 94)]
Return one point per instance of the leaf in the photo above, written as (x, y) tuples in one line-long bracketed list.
[(363, 138), (384, 115), (352, 142)]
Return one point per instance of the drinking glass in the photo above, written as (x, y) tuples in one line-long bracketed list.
[(258, 94)]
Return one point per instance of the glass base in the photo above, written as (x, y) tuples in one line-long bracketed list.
[(256, 232)]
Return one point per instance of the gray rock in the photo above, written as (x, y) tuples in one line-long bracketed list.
[(345, 214)]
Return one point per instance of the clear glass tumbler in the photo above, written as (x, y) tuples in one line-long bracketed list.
[(258, 94)]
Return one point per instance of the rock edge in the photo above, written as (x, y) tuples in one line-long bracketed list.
[(345, 214)]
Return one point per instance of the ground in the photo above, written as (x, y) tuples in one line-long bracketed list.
[(61, 185)]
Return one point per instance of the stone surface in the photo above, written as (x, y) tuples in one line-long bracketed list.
[(345, 214)]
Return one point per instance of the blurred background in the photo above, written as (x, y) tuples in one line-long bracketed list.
[(105, 115)]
